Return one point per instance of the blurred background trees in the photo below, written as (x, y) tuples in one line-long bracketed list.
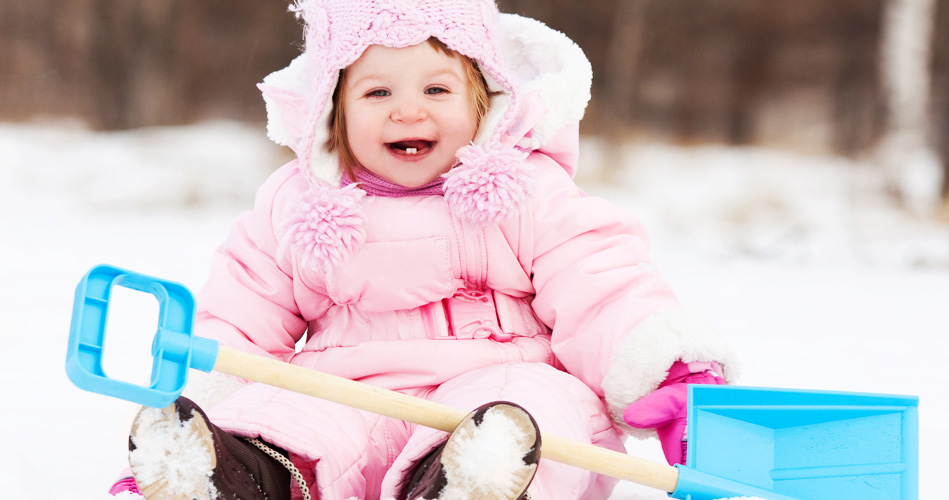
[(131, 63), (841, 77)]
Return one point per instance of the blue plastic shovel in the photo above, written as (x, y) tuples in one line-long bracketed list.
[(769, 443)]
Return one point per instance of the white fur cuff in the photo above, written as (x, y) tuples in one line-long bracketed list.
[(643, 361)]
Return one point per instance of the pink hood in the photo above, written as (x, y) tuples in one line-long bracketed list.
[(542, 80)]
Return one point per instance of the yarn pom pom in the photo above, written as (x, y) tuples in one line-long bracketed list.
[(488, 187), (328, 226)]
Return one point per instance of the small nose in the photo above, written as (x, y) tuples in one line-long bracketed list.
[(409, 110)]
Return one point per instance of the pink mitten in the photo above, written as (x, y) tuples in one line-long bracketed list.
[(665, 408)]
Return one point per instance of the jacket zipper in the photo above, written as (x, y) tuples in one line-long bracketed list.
[(473, 255)]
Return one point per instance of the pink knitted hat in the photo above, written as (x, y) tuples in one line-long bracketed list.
[(492, 179)]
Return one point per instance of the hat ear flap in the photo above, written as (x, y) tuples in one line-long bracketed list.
[(286, 112)]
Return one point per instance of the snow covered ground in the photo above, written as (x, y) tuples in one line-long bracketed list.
[(817, 280)]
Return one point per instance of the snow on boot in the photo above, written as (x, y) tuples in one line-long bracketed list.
[(491, 455), (177, 454)]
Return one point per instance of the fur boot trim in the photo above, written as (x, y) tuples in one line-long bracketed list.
[(207, 390)]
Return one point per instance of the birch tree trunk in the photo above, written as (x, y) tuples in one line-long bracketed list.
[(912, 167)]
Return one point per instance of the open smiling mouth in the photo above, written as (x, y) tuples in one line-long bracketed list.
[(411, 147)]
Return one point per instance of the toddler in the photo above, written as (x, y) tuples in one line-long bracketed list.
[(428, 238)]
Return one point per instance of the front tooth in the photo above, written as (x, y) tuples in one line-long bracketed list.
[(411, 151)]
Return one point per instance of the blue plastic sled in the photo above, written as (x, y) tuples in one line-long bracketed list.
[(770, 443)]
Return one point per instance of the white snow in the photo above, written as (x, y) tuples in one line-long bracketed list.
[(801, 262)]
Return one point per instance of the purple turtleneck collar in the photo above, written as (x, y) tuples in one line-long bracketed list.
[(375, 185)]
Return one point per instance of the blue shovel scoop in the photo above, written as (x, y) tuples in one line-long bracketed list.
[(769, 443)]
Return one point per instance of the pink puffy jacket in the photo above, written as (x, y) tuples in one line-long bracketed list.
[(567, 282)]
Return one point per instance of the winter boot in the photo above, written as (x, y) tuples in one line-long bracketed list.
[(176, 453), (491, 455)]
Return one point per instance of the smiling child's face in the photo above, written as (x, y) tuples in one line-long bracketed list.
[(407, 112)]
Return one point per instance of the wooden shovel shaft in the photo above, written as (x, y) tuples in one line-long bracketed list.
[(434, 415)]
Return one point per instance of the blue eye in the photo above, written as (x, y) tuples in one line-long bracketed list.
[(377, 93), (436, 90)]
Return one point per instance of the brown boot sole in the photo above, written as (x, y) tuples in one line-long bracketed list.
[(473, 466), (172, 456)]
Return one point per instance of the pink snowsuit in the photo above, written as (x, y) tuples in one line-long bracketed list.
[(531, 311), (557, 308)]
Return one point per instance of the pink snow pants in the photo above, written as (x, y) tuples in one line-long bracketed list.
[(363, 455)]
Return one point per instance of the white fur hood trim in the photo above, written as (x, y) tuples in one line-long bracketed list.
[(643, 361), (544, 61)]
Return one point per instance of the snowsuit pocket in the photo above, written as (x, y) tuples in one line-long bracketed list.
[(389, 276)]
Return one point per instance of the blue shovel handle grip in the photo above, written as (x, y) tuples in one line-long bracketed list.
[(175, 348)]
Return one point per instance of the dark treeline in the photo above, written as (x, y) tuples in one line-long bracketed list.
[(790, 73), (131, 63), (797, 73)]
